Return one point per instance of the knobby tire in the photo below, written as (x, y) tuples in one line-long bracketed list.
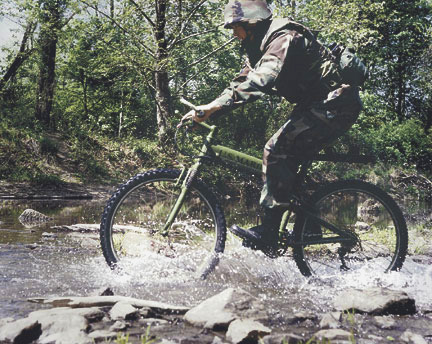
[(138, 208), (384, 238)]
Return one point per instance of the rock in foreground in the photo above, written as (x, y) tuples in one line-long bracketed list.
[(375, 301)]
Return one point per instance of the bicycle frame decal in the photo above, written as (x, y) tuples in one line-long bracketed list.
[(241, 159)]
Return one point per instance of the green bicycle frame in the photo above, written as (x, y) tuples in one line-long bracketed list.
[(245, 162), (187, 175)]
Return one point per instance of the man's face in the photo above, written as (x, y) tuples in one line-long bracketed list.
[(239, 31)]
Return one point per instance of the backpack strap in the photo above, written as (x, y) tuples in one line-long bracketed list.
[(279, 24), (329, 68)]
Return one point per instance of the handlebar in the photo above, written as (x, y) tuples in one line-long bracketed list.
[(200, 113), (187, 128)]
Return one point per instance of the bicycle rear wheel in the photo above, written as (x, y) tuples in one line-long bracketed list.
[(361, 208), (135, 214)]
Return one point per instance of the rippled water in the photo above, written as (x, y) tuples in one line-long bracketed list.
[(33, 264)]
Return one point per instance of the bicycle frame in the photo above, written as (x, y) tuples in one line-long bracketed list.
[(187, 175), (253, 165)]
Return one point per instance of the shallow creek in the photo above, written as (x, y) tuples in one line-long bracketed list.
[(39, 261)]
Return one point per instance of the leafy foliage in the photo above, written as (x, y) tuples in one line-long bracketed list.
[(119, 64)]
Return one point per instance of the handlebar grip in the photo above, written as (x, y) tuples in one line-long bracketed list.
[(185, 102), (199, 113)]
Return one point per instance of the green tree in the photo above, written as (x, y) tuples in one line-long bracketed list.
[(158, 46), (51, 21)]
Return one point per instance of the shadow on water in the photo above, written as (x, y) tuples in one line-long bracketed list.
[(40, 261)]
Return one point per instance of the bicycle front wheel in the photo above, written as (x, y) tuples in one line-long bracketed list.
[(363, 210), (131, 226)]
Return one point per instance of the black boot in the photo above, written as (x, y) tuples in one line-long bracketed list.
[(264, 236)]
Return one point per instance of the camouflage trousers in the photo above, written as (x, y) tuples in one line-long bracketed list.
[(308, 130)]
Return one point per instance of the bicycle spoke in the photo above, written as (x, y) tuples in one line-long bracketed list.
[(362, 210), (134, 220)]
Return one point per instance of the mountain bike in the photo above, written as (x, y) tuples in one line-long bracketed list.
[(173, 213)]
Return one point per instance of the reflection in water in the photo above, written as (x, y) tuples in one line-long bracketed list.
[(74, 265)]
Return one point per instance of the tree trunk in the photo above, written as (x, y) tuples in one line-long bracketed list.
[(121, 114), (84, 86), (112, 8), (22, 55), (163, 94), (50, 25), (428, 124), (400, 98)]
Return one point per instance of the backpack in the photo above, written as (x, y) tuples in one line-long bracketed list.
[(351, 68)]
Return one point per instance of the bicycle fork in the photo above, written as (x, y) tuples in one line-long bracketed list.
[(186, 178)]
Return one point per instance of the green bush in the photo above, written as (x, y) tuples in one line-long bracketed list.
[(48, 146), (42, 179), (403, 144)]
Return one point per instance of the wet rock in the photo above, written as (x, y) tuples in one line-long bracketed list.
[(106, 292), (217, 340), (124, 311), (80, 227), (93, 228), (4, 321), (103, 335), (213, 312), (412, 338), (102, 301), (385, 322), (375, 339), (246, 330), (94, 316), (289, 338), (64, 325), (20, 331), (167, 341), (220, 310), (334, 335), (331, 320), (59, 325), (300, 317), (119, 326), (31, 246), (154, 322), (375, 301), (85, 240), (31, 217), (197, 339), (49, 235), (145, 312)]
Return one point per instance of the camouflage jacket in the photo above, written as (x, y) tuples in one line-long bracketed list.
[(291, 63)]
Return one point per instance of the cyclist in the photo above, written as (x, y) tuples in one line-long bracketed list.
[(284, 58)]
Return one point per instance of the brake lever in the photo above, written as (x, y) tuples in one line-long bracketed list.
[(189, 124)]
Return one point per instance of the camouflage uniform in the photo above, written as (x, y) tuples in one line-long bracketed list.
[(286, 59)]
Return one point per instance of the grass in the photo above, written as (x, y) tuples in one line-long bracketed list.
[(31, 156), (418, 244), (123, 338), (118, 243)]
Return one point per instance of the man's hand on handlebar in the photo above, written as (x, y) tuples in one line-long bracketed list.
[(199, 113)]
